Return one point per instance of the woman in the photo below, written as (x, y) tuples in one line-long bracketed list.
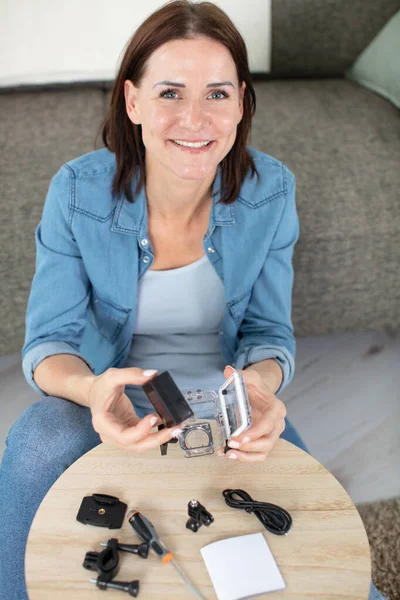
[(170, 249)]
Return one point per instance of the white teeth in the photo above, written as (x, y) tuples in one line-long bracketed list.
[(192, 144)]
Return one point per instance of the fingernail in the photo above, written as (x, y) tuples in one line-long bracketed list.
[(233, 455), (153, 420), (176, 432), (233, 444), (149, 372), (245, 440)]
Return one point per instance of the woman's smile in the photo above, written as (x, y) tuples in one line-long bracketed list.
[(191, 150)]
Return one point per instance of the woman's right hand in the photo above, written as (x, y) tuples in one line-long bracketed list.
[(114, 418)]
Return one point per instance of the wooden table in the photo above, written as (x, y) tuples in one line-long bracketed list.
[(324, 556)]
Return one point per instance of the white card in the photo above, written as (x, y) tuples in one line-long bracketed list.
[(241, 567)]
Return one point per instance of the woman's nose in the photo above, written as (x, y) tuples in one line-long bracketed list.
[(194, 114)]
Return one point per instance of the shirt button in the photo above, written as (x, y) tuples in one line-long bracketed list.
[(144, 242), (221, 333), (210, 249), (146, 259)]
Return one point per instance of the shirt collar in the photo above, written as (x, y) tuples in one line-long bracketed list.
[(131, 218)]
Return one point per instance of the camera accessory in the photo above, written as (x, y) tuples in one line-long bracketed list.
[(196, 440), (198, 516), (274, 518), (164, 447), (141, 550), (106, 563), (231, 407), (167, 399), (132, 587), (102, 510), (234, 408)]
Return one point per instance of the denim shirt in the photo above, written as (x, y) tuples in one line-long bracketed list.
[(92, 248)]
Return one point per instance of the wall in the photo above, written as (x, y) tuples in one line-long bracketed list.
[(53, 41)]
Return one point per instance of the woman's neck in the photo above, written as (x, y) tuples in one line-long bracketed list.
[(182, 201)]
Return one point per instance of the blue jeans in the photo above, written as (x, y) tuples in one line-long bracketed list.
[(47, 438)]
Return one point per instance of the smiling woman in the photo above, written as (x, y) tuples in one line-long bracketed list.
[(183, 81), (168, 250)]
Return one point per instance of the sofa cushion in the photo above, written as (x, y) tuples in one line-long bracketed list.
[(378, 67), (321, 37), (40, 131), (342, 142)]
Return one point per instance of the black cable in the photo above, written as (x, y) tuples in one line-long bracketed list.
[(274, 518)]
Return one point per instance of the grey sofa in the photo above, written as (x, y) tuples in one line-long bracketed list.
[(341, 141)]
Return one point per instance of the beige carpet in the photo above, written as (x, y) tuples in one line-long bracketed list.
[(382, 523)]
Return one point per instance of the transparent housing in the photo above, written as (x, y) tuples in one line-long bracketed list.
[(232, 413)]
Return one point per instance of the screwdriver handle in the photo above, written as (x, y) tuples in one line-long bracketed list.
[(145, 530)]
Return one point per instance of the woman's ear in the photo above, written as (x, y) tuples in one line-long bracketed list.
[(131, 92), (241, 99)]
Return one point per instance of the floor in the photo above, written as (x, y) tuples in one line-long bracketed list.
[(344, 401)]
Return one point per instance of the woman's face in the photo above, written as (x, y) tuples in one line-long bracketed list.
[(203, 102)]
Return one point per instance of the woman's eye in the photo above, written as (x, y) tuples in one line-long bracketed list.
[(164, 94), (225, 95)]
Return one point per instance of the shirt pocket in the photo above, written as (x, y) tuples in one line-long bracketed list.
[(107, 317), (238, 307)]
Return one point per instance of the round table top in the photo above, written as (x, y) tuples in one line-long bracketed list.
[(325, 555)]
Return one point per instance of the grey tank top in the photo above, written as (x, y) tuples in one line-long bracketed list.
[(178, 327)]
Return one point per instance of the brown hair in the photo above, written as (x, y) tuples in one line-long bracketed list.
[(179, 19)]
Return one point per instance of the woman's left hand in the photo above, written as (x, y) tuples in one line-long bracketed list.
[(267, 420)]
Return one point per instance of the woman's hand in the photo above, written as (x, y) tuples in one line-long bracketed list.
[(267, 417), (114, 418)]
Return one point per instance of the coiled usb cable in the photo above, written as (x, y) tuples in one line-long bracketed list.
[(274, 518)]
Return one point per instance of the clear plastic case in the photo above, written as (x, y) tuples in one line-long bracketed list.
[(232, 413)]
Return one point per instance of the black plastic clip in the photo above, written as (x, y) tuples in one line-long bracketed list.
[(164, 447), (106, 563), (198, 516)]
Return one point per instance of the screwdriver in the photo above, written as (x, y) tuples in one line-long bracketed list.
[(145, 530)]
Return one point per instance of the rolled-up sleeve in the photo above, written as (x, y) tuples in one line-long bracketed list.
[(267, 330), (36, 354), (56, 313)]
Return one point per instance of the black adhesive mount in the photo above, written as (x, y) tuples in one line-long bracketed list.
[(102, 510)]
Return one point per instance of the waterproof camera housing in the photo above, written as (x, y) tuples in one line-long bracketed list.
[(232, 411), (230, 406)]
